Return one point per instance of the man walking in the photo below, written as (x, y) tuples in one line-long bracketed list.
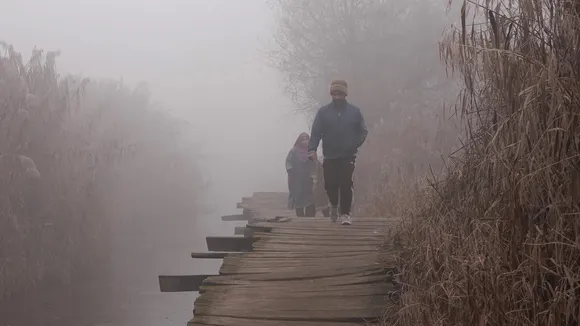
[(342, 129)]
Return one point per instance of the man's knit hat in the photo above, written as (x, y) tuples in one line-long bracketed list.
[(339, 86)]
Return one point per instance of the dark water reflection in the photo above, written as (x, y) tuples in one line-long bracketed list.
[(130, 295), (60, 306)]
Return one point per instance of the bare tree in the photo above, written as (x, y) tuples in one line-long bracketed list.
[(378, 46)]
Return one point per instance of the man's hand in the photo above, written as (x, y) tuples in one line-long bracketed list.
[(312, 156)]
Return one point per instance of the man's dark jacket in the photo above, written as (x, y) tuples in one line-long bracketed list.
[(341, 128)]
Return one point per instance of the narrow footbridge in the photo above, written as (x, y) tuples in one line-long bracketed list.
[(281, 270)]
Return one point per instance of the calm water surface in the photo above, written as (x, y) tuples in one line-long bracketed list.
[(131, 296)]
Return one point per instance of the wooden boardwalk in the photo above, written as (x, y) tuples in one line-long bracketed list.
[(300, 271)]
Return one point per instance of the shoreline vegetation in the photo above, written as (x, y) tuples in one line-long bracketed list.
[(76, 155)]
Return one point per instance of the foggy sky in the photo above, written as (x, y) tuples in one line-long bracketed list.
[(202, 59)]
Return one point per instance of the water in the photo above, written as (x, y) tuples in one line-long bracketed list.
[(131, 296)]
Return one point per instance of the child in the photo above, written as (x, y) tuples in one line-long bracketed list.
[(300, 178)]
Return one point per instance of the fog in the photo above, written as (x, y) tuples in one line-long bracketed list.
[(204, 62), (140, 190)]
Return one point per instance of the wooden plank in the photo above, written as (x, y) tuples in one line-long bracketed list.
[(233, 244), (322, 238), (244, 266), (321, 249), (259, 228), (338, 309), (295, 256), (301, 274), (323, 278), (228, 321), (247, 213), (216, 282), (248, 232), (211, 255), (181, 283), (234, 217), (275, 292)]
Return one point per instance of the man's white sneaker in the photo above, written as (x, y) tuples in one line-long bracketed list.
[(345, 219)]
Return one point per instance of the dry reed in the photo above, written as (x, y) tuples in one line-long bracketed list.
[(498, 241), (65, 146)]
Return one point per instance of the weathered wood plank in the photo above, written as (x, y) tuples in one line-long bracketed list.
[(228, 321), (249, 267), (181, 283), (211, 255), (248, 232), (309, 273), (349, 276), (337, 309), (275, 292), (347, 239), (320, 248), (321, 284), (245, 231), (234, 244), (234, 217)]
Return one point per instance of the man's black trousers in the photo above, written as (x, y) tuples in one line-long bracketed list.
[(338, 181)]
